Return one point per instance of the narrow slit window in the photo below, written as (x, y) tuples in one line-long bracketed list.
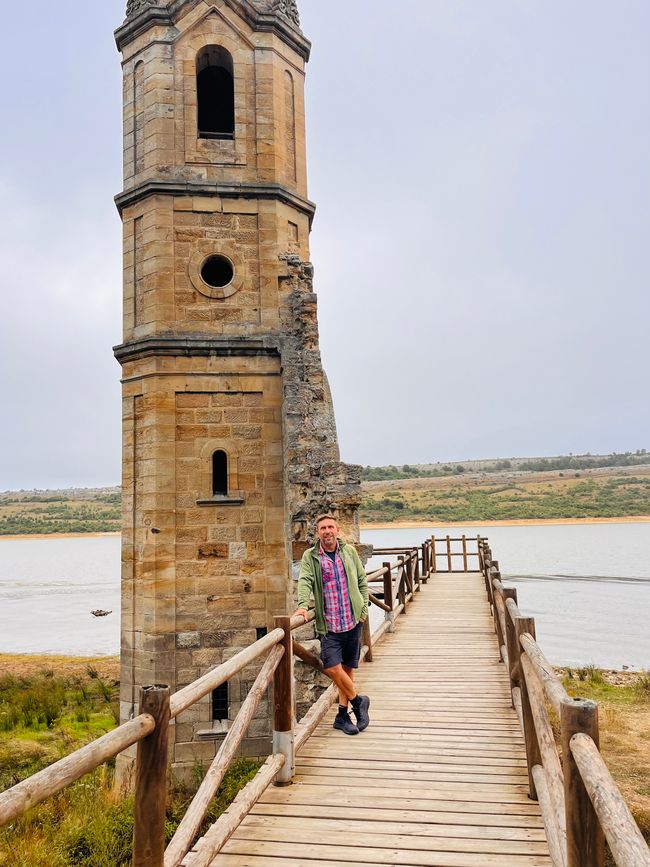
[(220, 703), (219, 474), (215, 93)]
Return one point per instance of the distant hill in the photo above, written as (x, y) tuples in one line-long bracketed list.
[(73, 510), (641, 457), (566, 486)]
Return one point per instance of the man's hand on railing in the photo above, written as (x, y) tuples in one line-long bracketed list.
[(301, 612)]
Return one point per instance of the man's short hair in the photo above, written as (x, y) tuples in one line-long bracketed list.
[(326, 517)]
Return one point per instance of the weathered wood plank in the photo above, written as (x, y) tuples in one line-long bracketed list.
[(439, 779)]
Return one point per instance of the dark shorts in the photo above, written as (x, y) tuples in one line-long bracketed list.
[(341, 648)]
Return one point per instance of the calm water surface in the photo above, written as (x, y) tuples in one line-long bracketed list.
[(48, 587), (587, 585)]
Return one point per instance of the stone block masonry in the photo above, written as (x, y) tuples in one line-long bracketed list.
[(229, 437)]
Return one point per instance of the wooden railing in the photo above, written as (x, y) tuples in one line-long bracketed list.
[(446, 557), (580, 802), (150, 731)]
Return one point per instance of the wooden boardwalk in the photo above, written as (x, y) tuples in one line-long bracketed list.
[(439, 777)]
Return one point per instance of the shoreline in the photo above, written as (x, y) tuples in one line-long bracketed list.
[(32, 663), (388, 525), (17, 536), (511, 522)]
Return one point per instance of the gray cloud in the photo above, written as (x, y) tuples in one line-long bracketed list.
[(480, 246)]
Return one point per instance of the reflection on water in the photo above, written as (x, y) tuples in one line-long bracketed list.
[(587, 585)]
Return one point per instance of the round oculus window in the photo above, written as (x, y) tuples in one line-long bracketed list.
[(217, 272)]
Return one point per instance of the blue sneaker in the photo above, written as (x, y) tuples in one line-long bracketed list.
[(360, 706), (343, 723)]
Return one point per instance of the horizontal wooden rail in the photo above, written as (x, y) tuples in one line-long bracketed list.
[(189, 695), (375, 601), (307, 656), (556, 846), (407, 552), (546, 741), (553, 689), (625, 840), (21, 797)]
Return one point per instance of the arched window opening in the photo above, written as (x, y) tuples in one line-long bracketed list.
[(220, 703), (219, 474), (215, 93)]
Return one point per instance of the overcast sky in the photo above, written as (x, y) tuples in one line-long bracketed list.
[(481, 244)]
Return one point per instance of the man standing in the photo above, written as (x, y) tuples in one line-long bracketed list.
[(333, 574)]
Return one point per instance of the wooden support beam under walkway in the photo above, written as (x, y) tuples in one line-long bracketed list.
[(439, 778)]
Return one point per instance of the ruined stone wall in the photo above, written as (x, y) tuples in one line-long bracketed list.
[(316, 478)]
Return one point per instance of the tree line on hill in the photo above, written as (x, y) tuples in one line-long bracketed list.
[(532, 465)]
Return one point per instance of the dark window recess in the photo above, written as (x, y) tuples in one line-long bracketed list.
[(215, 93), (261, 632), (217, 271), (219, 474), (220, 702)]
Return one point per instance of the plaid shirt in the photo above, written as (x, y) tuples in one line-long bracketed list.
[(338, 611)]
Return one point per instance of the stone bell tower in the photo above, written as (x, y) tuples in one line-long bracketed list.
[(229, 438)]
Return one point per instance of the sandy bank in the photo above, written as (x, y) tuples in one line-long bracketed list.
[(514, 522), (57, 536), (27, 664)]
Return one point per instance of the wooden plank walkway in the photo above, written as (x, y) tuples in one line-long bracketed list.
[(438, 779)]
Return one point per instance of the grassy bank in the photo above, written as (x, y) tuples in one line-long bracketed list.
[(48, 708), (91, 510), (598, 493)]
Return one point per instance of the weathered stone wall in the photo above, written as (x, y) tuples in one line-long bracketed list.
[(234, 368), (317, 479)]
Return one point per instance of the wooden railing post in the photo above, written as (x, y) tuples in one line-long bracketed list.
[(416, 564), (434, 562), (449, 564), (401, 582), (496, 576), (584, 836), (151, 781), (464, 553), (283, 728), (512, 644), (525, 625), (409, 574), (367, 638), (425, 565), (388, 596)]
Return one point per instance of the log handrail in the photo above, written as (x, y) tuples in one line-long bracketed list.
[(625, 840), (189, 695), (51, 780), (580, 802)]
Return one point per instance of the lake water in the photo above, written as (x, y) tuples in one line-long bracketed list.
[(48, 587), (587, 585)]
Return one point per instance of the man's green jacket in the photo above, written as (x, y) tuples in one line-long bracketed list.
[(310, 583)]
